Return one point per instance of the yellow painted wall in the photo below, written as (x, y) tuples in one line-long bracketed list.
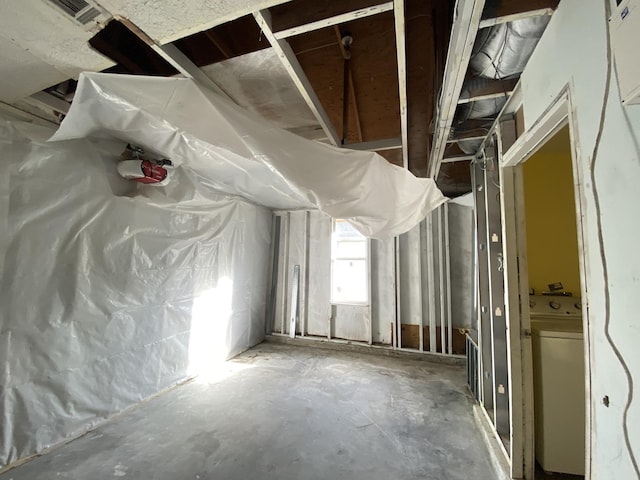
[(552, 242)]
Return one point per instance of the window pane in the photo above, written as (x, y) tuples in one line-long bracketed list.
[(351, 249), (344, 230), (349, 282)]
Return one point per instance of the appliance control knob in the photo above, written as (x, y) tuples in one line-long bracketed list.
[(531, 303), (555, 305), (578, 305)]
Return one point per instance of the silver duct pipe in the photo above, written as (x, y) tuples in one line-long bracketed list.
[(503, 50)]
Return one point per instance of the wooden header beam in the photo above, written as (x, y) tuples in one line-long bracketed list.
[(335, 20)]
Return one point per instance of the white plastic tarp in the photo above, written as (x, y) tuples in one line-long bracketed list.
[(227, 149), (107, 297)]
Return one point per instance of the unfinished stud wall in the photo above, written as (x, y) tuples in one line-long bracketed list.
[(574, 51), (107, 299), (402, 299), (461, 253)]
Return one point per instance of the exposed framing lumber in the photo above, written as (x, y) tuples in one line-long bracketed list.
[(213, 38), (398, 15), (494, 89), (174, 57), (27, 116), (291, 64), (462, 158), (471, 133), (502, 11), (462, 139), (377, 145), (490, 22), (463, 35), (335, 20), (46, 100)]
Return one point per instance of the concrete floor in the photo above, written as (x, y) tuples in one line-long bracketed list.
[(285, 412)]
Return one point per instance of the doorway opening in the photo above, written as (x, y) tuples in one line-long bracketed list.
[(553, 276)]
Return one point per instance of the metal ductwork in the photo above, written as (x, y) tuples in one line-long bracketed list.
[(470, 146), (503, 50)]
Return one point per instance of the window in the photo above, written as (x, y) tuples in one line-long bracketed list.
[(349, 265)]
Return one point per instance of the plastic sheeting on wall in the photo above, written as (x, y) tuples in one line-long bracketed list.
[(222, 147), (107, 299)]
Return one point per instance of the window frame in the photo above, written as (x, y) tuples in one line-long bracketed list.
[(367, 264)]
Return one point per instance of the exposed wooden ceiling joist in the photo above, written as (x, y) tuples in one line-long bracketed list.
[(492, 89), (49, 101), (26, 116), (335, 20), (463, 35), (291, 64), (378, 145), (461, 158), (120, 41), (296, 13), (399, 18), (229, 40), (502, 11)]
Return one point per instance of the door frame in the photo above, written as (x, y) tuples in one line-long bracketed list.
[(560, 113)]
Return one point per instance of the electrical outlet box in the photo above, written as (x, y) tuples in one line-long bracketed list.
[(625, 39)]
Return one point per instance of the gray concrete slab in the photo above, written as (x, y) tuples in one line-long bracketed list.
[(285, 412)]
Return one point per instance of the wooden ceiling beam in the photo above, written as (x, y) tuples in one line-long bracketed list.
[(377, 145), (459, 158), (27, 116), (213, 38), (502, 11), (174, 57), (334, 20), (49, 101), (295, 13), (492, 89), (398, 15), (463, 36), (291, 64)]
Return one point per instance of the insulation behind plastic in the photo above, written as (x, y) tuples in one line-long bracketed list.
[(220, 146), (108, 298)]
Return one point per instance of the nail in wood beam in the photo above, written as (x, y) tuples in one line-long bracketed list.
[(291, 64), (335, 20), (398, 15), (463, 36)]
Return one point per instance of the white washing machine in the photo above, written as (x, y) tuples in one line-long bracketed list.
[(559, 383)]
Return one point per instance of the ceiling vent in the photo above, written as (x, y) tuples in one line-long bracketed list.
[(87, 13)]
